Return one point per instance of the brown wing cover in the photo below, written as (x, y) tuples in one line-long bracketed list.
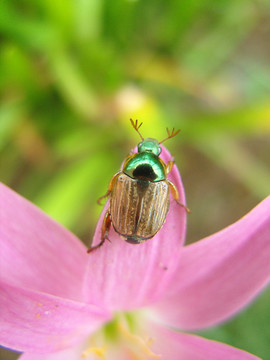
[(138, 207)]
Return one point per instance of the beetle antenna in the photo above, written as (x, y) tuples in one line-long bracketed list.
[(136, 126), (171, 134)]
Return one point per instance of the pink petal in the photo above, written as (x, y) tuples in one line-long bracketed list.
[(219, 275), (38, 322), (174, 346), (36, 252), (112, 352), (72, 353), (123, 276)]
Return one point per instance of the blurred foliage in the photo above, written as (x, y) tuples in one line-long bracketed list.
[(72, 73)]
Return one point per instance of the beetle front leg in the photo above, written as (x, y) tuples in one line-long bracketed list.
[(169, 165), (104, 231), (175, 195), (110, 187)]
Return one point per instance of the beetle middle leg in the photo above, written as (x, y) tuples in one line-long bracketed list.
[(110, 187), (175, 195), (104, 231)]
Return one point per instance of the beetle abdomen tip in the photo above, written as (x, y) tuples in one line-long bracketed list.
[(134, 240)]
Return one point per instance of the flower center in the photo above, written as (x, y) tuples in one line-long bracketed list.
[(99, 352), (121, 336)]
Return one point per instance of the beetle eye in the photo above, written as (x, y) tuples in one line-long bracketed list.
[(140, 146)]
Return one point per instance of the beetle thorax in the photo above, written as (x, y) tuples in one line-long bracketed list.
[(146, 164)]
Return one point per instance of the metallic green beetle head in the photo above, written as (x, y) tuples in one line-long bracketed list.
[(149, 145)]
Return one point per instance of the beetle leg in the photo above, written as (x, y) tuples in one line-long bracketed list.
[(169, 165), (175, 195), (110, 187), (131, 154), (104, 231), (103, 197)]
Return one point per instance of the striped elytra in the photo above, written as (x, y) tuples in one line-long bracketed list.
[(138, 207)]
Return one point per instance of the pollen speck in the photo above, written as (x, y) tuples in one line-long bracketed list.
[(164, 267)]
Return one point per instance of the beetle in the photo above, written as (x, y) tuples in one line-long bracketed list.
[(140, 193)]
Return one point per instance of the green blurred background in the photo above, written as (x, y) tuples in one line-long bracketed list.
[(72, 73)]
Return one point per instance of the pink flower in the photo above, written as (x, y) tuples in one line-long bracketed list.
[(122, 301)]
